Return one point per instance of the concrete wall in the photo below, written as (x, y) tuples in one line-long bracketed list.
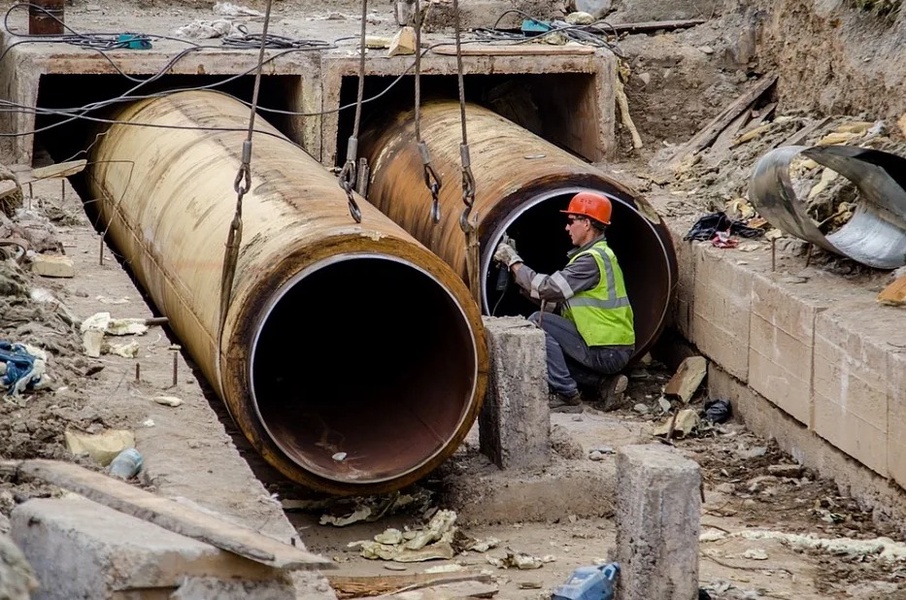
[(817, 349)]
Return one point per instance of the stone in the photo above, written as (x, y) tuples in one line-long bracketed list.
[(403, 43), (52, 265), (17, 578), (658, 523)]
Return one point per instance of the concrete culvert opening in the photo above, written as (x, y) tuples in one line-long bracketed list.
[(386, 379), (538, 229)]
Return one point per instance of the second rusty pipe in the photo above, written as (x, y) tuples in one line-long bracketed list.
[(322, 360), (522, 182)]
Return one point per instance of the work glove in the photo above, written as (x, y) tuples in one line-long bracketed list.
[(506, 254)]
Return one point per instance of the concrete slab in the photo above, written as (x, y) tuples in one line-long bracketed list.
[(79, 548), (482, 494)]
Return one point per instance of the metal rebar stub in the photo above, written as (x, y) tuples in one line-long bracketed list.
[(876, 233)]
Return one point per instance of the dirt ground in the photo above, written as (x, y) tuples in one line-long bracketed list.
[(749, 484)]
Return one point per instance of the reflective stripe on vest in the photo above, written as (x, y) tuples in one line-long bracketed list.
[(603, 314)]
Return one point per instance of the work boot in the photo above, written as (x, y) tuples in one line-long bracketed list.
[(561, 403), (610, 391)]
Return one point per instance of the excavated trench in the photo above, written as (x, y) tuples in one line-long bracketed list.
[(382, 341)]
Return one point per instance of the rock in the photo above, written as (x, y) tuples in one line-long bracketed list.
[(645, 77), (756, 484), (17, 578), (707, 49), (725, 488), (51, 265), (579, 18), (641, 408), (403, 42), (785, 470), (596, 8)]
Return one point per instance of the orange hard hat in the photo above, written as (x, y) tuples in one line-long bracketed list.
[(591, 205)]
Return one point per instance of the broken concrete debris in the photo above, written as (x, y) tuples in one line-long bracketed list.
[(684, 383), (50, 265)]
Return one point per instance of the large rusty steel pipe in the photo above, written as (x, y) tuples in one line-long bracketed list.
[(522, 182), (352, 358)]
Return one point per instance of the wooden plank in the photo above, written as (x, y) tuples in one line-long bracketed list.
[(173, 516), (369, 585), (652, 26), (7, 187), (64, 169), (799, 137), (707, 134), (513, 50), (724, 141)]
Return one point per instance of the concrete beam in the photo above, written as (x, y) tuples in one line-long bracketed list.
[(658, 508), (80, 549), (514, 425)]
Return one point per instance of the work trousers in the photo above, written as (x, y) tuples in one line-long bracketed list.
[(570, 361)]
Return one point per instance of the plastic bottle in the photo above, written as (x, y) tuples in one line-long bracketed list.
[(126, 464)]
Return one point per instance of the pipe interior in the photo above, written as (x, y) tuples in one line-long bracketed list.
[(367, 356), (539, 230)]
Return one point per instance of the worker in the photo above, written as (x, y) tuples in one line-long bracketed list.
[(592, 338)]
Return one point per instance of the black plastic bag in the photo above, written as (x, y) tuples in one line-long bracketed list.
[(717, 411), (708, 226)]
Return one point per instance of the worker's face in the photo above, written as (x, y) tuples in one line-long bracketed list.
[(578, 229)]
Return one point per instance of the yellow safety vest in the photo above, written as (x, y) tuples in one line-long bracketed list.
[(602, 314)]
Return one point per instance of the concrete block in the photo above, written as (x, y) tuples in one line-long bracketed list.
[(681, 311), (850, 380), (720, 313), (896, 416), (657, 518), (81, 549), (781, 341), (482, 494), (51, 265), (514, 424)]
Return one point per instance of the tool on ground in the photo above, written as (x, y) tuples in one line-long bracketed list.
[(503, 275), (589, 583)]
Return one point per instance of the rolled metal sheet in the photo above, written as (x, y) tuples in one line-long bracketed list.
[(522, 182), (352, 358), (876, 233)]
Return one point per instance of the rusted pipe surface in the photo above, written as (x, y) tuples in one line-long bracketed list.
[(522, 182), (876, 233), (45, 17), (324, 361)]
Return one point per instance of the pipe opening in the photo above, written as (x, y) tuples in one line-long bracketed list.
[(539, 230), (363, 368)]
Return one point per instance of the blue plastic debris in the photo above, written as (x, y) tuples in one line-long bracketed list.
[(533, 26), (20, 368), (589, 583)]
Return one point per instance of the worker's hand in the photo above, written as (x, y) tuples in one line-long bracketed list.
[(506, 254)]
